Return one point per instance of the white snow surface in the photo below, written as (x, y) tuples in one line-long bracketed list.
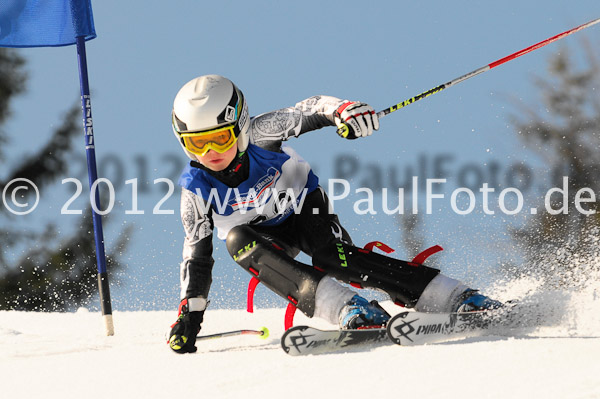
[(66, 355)]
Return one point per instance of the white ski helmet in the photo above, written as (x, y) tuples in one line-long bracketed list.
[(209, 102)]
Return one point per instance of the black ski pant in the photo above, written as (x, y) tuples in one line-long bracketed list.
[(268, 252)]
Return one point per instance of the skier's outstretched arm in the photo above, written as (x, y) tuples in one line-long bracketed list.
[(270, 129)]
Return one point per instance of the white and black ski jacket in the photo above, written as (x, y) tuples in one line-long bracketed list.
[(200, 215)]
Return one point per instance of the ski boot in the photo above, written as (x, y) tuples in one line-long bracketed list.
[(359, 313), (472, 301)]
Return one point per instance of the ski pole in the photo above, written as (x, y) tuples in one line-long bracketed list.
[(343, 129), (262, 333)]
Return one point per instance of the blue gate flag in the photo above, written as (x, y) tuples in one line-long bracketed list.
[(45, 23)]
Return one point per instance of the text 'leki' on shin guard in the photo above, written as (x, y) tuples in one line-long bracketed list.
[(288, 278), (362, 268)]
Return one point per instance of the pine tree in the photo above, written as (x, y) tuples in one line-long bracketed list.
[(565, 132), (57, 273)]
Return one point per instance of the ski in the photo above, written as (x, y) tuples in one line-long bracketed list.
[(417, 328), (304, 340), (406, 328)]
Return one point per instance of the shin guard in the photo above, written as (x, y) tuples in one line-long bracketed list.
[(288, 278), (361, 268)]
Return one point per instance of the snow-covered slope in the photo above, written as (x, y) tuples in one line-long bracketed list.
[(45, 355)]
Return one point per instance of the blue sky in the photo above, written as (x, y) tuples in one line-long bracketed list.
[(279, 53)]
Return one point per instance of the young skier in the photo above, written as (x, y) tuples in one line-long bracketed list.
[(267, 205)]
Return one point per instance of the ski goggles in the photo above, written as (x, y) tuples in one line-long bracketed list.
[(220, 140)]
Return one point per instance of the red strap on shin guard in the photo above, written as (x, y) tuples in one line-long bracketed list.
[(380, 245), (420, 258), (251, 288), (290, 311)]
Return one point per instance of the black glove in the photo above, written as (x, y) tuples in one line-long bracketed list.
[(355, 119), (182, 338)]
